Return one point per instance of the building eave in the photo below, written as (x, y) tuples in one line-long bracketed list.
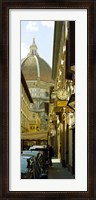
[(56, 47), (26, 87)]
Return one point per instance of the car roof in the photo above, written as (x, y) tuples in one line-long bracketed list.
[(30, 153), (36, 146)]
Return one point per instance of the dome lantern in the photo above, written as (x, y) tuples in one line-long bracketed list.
[(33, 48)]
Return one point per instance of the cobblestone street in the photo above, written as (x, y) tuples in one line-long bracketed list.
[(58, 172)]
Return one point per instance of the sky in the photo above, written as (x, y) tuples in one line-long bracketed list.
[(43, 32)]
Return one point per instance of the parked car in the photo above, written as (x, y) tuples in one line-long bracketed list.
[(36, 147), (27, 169), (30, 152), (38, 168)]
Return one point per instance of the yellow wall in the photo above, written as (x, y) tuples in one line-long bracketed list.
[(35, 122), (25, 110)]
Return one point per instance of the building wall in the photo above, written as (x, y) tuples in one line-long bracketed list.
[(64, 76), (35, 122), (58, 141), (70, 150), (40, 93), (25, 111)]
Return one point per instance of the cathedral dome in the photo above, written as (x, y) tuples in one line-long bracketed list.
[(34, 67)]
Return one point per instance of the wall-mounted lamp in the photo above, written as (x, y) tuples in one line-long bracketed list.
[(71, 102)]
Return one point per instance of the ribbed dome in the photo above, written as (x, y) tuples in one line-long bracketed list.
[(35, 67)]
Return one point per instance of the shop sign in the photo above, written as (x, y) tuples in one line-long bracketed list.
[(61, 103)]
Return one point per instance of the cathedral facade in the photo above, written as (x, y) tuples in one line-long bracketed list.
[(37, 74)]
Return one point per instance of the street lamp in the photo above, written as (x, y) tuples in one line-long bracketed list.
[(71, 102)]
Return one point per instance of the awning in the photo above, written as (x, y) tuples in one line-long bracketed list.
[(40, 135)]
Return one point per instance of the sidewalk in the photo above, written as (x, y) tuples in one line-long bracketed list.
[(58, 172)]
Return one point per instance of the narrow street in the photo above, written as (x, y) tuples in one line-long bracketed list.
[(48, 104), (58, 172)]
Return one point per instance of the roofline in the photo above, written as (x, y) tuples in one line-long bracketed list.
[(26, 87), (56, 46)]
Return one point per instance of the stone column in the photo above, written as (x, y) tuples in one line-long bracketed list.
[(62, 142)]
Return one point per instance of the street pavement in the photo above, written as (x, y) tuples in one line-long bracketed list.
[(58, 172)]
